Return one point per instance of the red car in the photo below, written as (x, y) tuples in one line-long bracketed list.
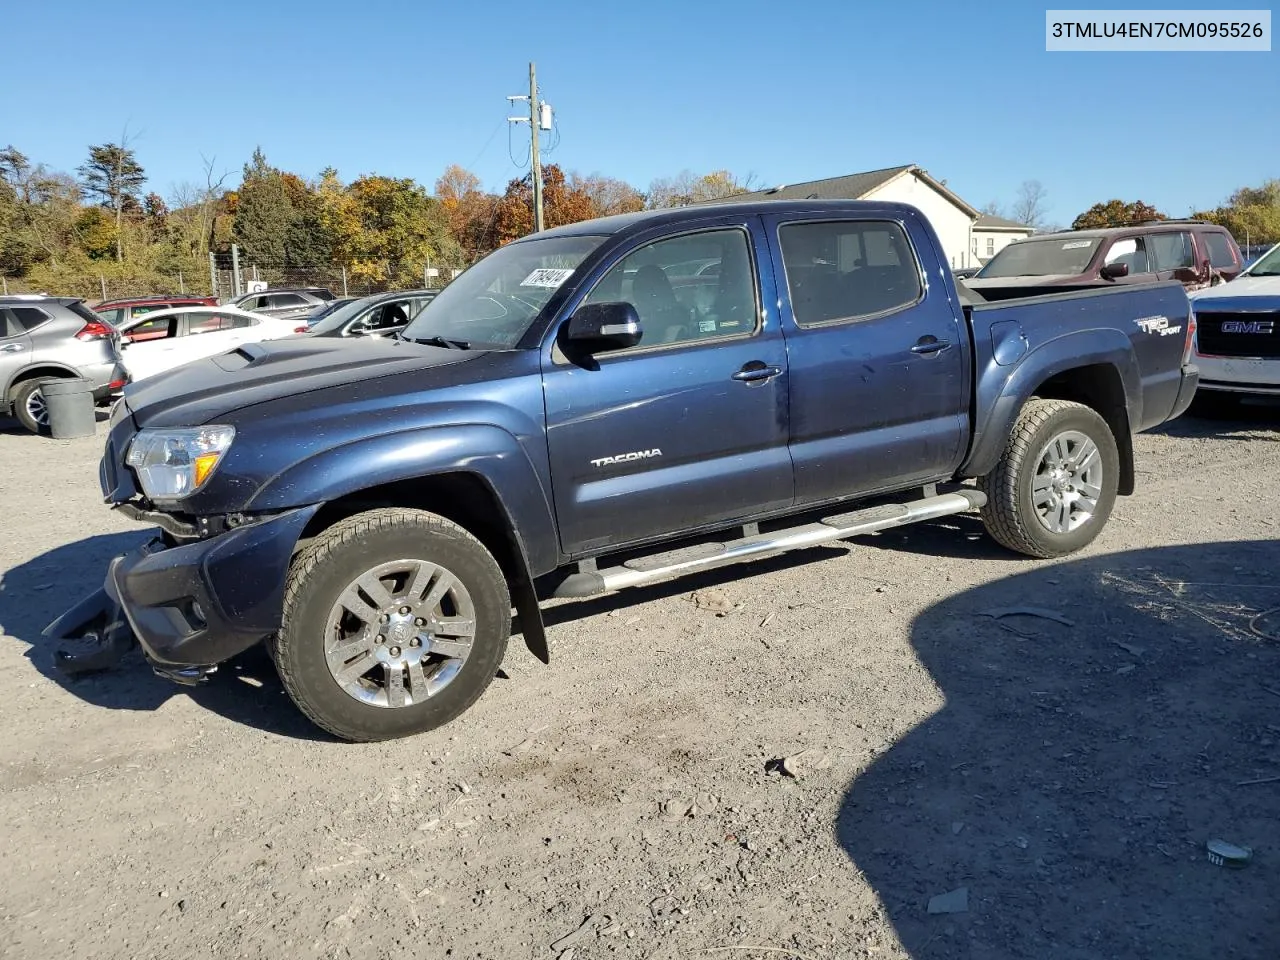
[(117, 312)]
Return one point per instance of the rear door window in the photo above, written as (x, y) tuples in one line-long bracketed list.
[(157, 329), (1220, 252), (9, 326), (847, 270), (30, 317), (286, 300), (1171, 251)]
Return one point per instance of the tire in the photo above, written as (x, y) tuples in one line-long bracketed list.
[(26, 398), (1012, 515), (327, 620)]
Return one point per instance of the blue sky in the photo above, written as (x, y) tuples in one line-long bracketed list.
[(788, 92)]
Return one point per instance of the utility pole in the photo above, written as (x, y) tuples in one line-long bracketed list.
[(235, 271), (539, 119), (213, 276)]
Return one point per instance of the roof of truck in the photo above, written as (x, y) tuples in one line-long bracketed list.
[(695, 212)]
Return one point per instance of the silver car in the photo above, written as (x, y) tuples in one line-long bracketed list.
[(292, 304), (50, 338)]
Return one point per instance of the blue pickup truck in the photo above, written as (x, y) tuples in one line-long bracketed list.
[(596, 407)]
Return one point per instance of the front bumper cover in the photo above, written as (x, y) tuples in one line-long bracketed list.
[(189, 606)]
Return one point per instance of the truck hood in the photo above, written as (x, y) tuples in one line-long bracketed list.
[(254, 373), (1242, 286)]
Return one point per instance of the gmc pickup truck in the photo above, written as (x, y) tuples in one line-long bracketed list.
[(581, 412)]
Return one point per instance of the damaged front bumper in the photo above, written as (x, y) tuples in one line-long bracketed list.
[(189, 605)]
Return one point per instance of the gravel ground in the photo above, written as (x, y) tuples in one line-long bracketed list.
[(1058, 777)]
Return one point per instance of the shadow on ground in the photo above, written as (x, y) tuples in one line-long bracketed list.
[(1215, 416), (33, 594), (1076, 772)]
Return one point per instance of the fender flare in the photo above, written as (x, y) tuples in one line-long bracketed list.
[(1004, 395), (488, 453)]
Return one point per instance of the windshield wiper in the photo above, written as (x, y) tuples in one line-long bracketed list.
[(438, 341)]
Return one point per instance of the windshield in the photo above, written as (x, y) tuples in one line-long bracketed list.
[(1041, 258), (494, 302), (1268, 265)]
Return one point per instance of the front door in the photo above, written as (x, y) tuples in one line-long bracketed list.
[(879, 389), (688, 428)]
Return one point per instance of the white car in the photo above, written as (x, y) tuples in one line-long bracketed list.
[(164, 339), (1238, 331)]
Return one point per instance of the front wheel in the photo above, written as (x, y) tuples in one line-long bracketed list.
[(1055, 485), (395, 621)]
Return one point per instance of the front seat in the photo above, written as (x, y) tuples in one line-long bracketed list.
[(656, 303)]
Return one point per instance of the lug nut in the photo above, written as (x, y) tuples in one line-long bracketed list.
[(415, 642), (384, 618), (404, 610), (419, 622), (379, 639), (394, 651)]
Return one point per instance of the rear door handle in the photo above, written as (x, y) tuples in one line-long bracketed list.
[(930, 344), (12, 348), (756, 371)]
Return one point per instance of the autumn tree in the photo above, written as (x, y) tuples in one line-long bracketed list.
[(113, 176), (562, 202), (608, 195), (1251, 214), (398, 230), (469, 212), (1115, 213), (686, 188)]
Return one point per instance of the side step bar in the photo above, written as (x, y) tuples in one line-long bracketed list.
[(708, 556)]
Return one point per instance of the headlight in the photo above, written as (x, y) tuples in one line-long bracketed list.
[(172, 464)]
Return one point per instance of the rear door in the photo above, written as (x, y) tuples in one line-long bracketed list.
[(688, 428), (879, 362), (1173, 252), (150, 346), (15, 349)]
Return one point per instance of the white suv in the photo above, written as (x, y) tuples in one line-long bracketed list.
[(1238, 331)]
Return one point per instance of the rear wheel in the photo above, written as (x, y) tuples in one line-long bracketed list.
[(29, 407), (1055, 485), (395, 621)]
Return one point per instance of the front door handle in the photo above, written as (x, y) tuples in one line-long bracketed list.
[(756, 371), (930, 344), (12, 348)]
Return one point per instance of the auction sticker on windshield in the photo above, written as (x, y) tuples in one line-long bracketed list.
[(546, 277), (1076, 244)]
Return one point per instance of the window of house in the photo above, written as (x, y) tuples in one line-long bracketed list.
[(848, 269), (689, 308), (991, 246)]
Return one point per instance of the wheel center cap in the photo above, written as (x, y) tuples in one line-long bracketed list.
[(401, 632)]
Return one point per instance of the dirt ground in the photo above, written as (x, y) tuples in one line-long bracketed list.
[(1065, 773)]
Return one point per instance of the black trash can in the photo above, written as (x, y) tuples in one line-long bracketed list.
[(70, 405)]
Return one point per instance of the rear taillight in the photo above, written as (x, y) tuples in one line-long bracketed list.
[(301, 329), (1190, 345), (117, 384), (94, 331)]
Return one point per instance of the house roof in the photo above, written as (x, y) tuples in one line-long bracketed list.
[(853, 186), (987, 222)]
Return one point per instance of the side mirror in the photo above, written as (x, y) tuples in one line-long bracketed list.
[(1186, 275), (1114, 271), (358, 330), (598, 327)]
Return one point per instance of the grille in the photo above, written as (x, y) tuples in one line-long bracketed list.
[(1239, 334)]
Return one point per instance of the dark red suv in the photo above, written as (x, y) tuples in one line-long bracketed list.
[(117, 312), (1195, 252)]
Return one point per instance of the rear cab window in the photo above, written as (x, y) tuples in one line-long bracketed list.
[(840, 271)]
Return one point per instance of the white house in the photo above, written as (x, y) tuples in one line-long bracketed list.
[(993, 234), (963, 229)]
